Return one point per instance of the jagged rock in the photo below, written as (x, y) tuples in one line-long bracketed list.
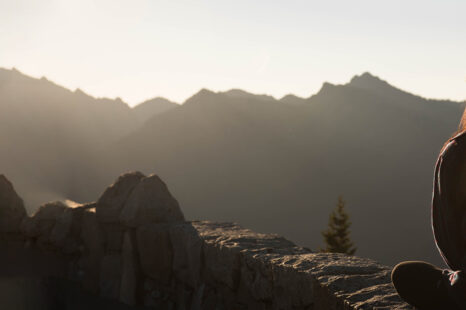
[(66, 230), (155, 252), (256, 278), (150, 202), (28, 227), (42, 222), (93, 244), (12, 209), (167, 263), (110, 276), (187, 247), (301, 294), (130, 274), (113, 234), (113, 199)]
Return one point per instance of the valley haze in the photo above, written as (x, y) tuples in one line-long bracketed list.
[(274, 165)]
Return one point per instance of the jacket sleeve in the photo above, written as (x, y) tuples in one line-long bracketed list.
[(449, 204)]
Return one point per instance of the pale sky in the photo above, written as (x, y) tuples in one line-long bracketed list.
[(140, 49)]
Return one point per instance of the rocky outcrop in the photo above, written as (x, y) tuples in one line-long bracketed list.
[(139, 251), (12, 209), (150, 202), (113, 199)]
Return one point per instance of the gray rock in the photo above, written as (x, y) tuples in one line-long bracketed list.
[(150, 202), (93, 245), (113, 234), (187, 249), (66, 230), (28, 227), (110, 276), (12, 209), (155, 252), (113, 199), (130, 274), (42, 222)]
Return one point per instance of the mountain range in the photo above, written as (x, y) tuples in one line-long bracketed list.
[(271, 165)]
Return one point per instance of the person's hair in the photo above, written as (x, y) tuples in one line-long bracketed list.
[(461, 128), (462, 125)]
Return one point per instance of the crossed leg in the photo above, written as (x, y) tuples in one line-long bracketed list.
[(420, 284)]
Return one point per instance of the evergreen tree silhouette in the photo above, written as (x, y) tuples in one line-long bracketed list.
[(336, 237)]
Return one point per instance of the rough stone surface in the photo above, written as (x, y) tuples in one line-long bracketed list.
[(296, 277), (187, 246), (150, 202), (110, 276), (43, 221), (155, 251), (130, 273), (157, 260), (111, 202), (12, 209), (113, 234), (67, 228), (93, 251)]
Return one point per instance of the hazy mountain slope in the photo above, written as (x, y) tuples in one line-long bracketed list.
[(279, 168), (49, 135), (272, 165), (292, 99), (149, 108)]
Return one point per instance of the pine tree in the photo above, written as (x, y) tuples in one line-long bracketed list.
[(336, 236)]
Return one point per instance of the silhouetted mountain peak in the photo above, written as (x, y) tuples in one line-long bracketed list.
[(326, 87), (292, 99), (239, 93), (378, 86), (79, 91), (204, 91), (202, 95), (152, 107), (367, 80)]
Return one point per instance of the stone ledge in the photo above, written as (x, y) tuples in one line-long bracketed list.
[(324, 280), (134, 247)]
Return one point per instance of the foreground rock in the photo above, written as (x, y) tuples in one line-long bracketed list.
[(12, 209), (140, 252), (41, 224), (150, 202), (113, 199)]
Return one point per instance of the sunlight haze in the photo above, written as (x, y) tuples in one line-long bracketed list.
[(138, 50)]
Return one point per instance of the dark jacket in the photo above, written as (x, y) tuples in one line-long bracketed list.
[(449, 203)]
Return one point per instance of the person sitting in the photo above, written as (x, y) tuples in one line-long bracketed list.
[(421, 284)]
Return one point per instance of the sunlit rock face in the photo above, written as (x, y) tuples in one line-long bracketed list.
[(150, 202), (113, 199), (149, 256)]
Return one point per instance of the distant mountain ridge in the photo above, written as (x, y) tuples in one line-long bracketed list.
[(272, 165), (49, 134)]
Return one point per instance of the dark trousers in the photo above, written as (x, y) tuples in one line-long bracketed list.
[(421, 285)]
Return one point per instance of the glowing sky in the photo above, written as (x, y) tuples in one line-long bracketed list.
[(141, 49)]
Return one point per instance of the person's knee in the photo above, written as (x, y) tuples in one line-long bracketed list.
[(401, 273), (398, 275)]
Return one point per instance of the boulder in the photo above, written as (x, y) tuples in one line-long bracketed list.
[(43, 221), (93, 241), (187, 249), (114, 197), (12, 209), (113, 234), (155, 252), (110, 276), (130, 273), (66, 231), (150, 202)]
